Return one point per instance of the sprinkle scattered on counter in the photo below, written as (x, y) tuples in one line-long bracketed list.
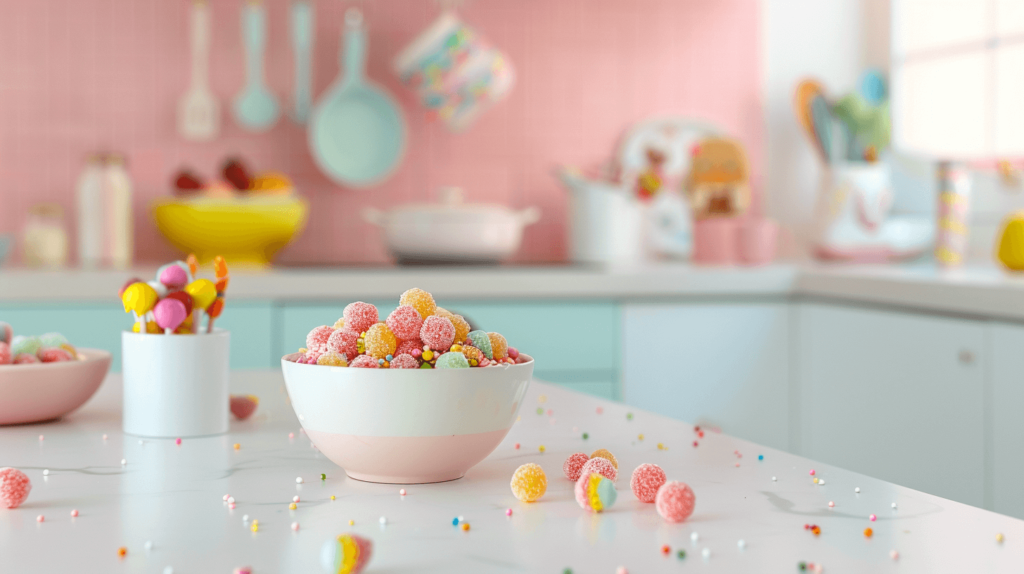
[(323, 476), (298, 480), (999, 538), (74, 513), (465, 526), (40, 518), (894, 555), (237, 446), (122, 551), (868, 532)]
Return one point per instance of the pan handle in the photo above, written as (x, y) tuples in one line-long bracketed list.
[(353, 56)]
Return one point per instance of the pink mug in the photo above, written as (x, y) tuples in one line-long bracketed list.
[(715, 241), (758, 239)]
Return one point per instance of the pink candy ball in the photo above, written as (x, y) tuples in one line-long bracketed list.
[(675, 501), (646, 480), (173, 276), (601, 466), (316, 340), (364, 362), (312, 357), (14, 487), (513, 353), (438, 333), (343, 341), (53, 355), (405, 322), (5, 353), (573, 465), (412, 347), (359, 316), (169, 313), (404, 361)]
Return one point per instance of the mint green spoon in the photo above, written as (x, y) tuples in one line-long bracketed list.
[(255, 107)]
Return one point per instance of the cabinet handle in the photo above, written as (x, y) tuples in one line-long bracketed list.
[(966, 357)]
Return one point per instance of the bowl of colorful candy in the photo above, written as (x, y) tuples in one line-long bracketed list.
[(415, 398), (45, 377)]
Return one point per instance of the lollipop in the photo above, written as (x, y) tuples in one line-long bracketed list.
[(203, 293), (185, 298), (138, 298), (174, 275), (193, 264), (169, 313), (127, 284), (220, 269), (346, 554)]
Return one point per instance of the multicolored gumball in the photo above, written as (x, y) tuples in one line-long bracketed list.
[(594, 492), (438, 333), (420, 300), (405, 322), (242, 406), (380, 341), (499, 346), (529, 482), (346, 554), (646, 480), (14, 487), (675, 501), (364, 362), (481, 341), (343, 341), (452, 361), (317, 339), (359, 316), (604, 453), (573, 465), (601, 466), (404, 361)]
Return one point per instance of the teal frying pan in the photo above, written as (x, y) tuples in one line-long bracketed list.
[(356, 130)]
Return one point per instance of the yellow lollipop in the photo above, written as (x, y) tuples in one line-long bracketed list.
[(138, 298), (203, 293)]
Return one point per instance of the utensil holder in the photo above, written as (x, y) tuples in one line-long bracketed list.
[(175, 385)]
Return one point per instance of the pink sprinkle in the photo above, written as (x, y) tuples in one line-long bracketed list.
[(225, 497), (694, 444), (231, 505), (74, 513), (737, 465), (599, 410), (291, 435), (516, 446), (295, 498), (40, 518), (177, 441), (621, 570), (831, 504), (508, 512), (104, 437), (295, 526), (41, 437), (894, 555), (402, 492), (550, 412), (243, 570), (872, 518), (812, 472)]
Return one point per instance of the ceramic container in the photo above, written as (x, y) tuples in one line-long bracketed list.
[(406, 426), (452, 231), (175, 385), (716, 241), (606, 221), (43, 391), (757, 241)]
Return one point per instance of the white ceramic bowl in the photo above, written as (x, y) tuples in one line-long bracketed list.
[(43, 391), (406, 426)]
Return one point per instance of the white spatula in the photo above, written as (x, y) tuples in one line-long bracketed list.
[(198, 110)]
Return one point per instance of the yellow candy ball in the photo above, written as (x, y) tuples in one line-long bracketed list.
[(203, 292), (499, 346), (139, 297), (151, 327), (332, 359), (529, 482), (420, 300), (428, 355), (380, 341)]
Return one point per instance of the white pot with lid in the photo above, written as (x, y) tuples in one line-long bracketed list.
[(452, 231)]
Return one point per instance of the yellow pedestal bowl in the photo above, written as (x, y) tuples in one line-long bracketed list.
[(246, 231)]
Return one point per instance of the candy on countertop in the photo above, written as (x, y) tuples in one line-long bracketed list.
[(404, 361), (22, 344), (343, 341), (169, 313), (646, 480), (364, 362), (499, 346), (160, 288), (332, 359), (6, 333), (482, 341), (14, 487), (438, 333), (24, 359), (138, 297), (53, 355), (346, 554), (380, 341), (185, 299), (675, 501), (5, 353), (420, 300), (412, 347), (405, 322), (203, 293), (360, 316), (602, 466), (573, 465), (174, 275), (242, 406), (604, 453), (594, 492), (52, 340), (151, 327), (452, 361), (316, 340), (529, 482)]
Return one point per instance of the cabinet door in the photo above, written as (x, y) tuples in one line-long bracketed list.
[(1007, 378), (719, 365), (895, 396)]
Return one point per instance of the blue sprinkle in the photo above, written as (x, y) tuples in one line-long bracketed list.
[(389, 358), (380, 361), (760, 457), (455, 521)]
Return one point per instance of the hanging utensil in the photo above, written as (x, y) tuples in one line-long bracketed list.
[(256, 108), (805, 93), (302, 46), (198, 110), (356, 131), (822, 118)]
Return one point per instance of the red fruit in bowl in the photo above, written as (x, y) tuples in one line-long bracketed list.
[(242, 406), (187, 181), (235, 172)]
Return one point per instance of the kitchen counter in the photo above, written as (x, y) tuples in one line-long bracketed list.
[(171, 496)]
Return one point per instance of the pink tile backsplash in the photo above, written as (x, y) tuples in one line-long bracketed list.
[(107, 74)]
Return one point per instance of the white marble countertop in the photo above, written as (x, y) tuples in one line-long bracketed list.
[(171, 496)]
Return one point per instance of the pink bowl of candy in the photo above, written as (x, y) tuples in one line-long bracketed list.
[(44, 377), (415, 398)]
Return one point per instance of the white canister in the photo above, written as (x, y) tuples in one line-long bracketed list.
[(175, 385)]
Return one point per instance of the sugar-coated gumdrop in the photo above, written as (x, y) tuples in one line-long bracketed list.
[(364, 362), (499, 346), (481, 341), (529, 482), (438, 333), (472, 354), (185, 299), (646, 480), (411, 347), (316, 340), (594, 492), (604, 453), (203, 293), (380, 341), (14, 487), (346, 554), (173, 276), (6, 333), (462, 327), (169, 313), (24, 359), (53, 355), (22, 344), (5, 353), (340, 323), (574, 465), (452, 361), (332, 359), (601, 466), (344, 341), (675, 501), (404, 361), (52, 340), (360, 316), (242, 406), (151, 327), (405, 322), (420, 300)]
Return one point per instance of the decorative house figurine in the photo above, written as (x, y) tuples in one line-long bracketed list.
[(717, 184)]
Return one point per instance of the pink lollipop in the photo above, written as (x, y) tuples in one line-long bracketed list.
[(169, 313), (174, 277)]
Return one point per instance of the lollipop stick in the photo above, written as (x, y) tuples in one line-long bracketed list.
[(135, 315), (209, 325), (168, 331)]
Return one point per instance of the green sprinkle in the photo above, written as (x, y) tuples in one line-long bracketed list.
[(629, 416), (567, 571), (323, 476), (585, 436), (540, 411), (802, 566), (681, 554)]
